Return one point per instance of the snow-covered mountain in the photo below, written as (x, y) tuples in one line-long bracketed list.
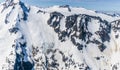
[(110, 13), (57, 38)]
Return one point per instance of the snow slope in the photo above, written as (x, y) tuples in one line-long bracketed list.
[(57, 38)]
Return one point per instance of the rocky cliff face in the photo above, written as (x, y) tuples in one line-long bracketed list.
[(57, 38)]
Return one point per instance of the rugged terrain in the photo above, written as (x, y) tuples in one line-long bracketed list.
[(57, 38)]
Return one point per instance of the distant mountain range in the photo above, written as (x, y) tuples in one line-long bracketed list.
[(110, 13)]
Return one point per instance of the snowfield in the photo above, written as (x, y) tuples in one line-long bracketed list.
[(57, 38)]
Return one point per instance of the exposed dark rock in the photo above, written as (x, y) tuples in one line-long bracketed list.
[(116, 25), (55, 15), (114, 67), (57, 30), (64, 59), (102, 47), (13, 30), (70, 21), (96, 41), (66, 6), (97, 58), (104, 36), (40, 11), (6, 19), (72, 27), (27, 66), (80, 47), (54, 65), (53, 58), (73, 40), (116, 36), (87, 68), (25, 10)]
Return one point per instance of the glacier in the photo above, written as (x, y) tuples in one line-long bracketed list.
[(57, 38)]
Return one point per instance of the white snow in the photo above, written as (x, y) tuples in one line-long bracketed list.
[(39, 34)]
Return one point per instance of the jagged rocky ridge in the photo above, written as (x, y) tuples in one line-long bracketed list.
[(57, 38)]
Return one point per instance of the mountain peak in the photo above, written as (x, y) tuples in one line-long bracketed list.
[(12, 1)]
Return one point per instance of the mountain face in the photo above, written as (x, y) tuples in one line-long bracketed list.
[(57, 38)]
